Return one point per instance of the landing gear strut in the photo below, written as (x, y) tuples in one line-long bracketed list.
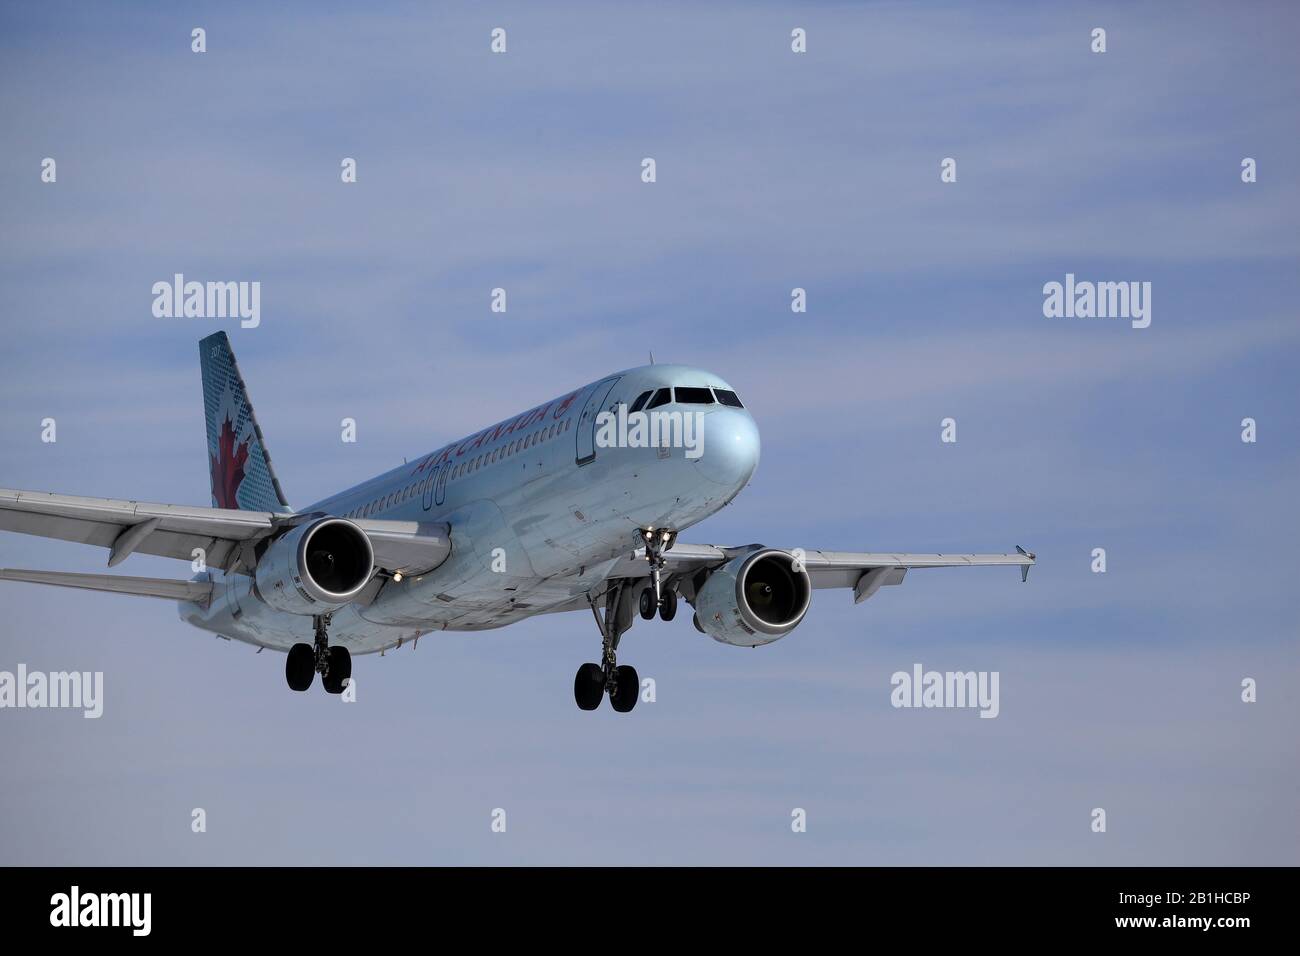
[(334, 664), (657, 598), (656, 543), (619, 681)]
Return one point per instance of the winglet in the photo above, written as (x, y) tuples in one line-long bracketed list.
[(1024, 568)]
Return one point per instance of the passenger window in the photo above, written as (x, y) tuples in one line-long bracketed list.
[(662, 397), (640, 401), (728, 398), (694, 396)]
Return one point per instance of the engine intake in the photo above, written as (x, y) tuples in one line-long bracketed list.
[(316, 568), (754, 599)]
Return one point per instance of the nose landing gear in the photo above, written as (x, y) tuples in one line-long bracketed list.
[(656, 543), (657, 597), (667, 607)]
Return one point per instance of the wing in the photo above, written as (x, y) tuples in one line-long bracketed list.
[(867, 572), (125, 527), (197, 591), (863, 571), (227, 536)]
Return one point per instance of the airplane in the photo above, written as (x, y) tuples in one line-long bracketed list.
[(538, 514)]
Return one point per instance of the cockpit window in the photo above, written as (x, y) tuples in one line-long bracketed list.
[(728, 397), (662, 397), (640, 401), (694, 396)]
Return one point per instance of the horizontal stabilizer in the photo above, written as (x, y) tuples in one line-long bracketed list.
[(198, 591)]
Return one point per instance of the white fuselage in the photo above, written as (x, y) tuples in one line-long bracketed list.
[(538, 514)]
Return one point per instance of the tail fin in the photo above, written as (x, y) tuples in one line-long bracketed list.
[(238, 462)]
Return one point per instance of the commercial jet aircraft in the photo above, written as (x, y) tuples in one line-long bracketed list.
[(530, 516)]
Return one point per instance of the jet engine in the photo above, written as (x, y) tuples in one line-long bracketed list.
[(316, 568), (753, 599)]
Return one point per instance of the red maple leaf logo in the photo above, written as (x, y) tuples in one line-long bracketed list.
[(228, 467)]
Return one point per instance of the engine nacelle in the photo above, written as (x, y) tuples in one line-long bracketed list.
[(316, 568), (754, 599)]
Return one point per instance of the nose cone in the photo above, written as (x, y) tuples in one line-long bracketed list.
[(729, 451)]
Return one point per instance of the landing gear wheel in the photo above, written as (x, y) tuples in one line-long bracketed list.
[(300, 667), (648, 604), (627, 688), (668, 609), (589, 686), (339, 669)]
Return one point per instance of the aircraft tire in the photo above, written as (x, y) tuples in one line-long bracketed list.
[(340, 669), (668, 610), (648, 604), (627, 688), (589, 686), (300, 666)]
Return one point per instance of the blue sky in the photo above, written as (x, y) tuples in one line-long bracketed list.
[(774, 170)]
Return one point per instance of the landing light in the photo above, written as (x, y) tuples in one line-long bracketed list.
[(397, 576)]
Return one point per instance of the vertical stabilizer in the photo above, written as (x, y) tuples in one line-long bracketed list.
[(239, 465)]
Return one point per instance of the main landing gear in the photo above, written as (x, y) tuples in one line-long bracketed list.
[(305, 661), (620, 681)]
